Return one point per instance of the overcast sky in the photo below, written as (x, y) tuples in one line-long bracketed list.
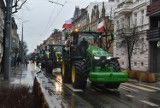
[(40, 17)]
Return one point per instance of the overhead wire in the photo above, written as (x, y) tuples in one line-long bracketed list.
[(48, 21), (53, 20)]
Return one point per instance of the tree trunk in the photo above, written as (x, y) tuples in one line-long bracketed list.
[(129, 59)]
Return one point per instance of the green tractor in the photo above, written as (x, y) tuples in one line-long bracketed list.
[(83, 60), (52, 57)]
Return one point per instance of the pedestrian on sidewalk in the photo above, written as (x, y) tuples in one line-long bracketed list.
[(18, 60), (26, 59)]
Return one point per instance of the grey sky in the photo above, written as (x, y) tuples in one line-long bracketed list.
[(40, 17)]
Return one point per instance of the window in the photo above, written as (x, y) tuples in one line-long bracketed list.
[(122, 22), (142, 63), (117, 24), (135, 19), (122, 63), (142, 16), (159, 23), (135, 63)]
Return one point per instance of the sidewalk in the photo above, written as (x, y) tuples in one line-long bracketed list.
[(20, 75)]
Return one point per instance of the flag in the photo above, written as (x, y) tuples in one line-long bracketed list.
[(100, 26), (67, 24)]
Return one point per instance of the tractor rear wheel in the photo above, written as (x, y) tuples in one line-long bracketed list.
[(43, 64), (49, 66), (116, 66), (79, 74), (65, 72)]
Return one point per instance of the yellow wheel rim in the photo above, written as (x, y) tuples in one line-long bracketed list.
[(63, 66), (73, 74)]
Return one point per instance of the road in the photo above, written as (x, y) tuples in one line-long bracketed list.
[(129, 95)]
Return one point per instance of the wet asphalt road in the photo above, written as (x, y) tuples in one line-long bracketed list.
[(129, 95)]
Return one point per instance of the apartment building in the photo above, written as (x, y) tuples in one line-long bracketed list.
[(153, 35), (130, 14)]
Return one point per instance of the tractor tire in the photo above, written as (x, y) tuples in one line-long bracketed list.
[(79, 74), (49, 66), (43, 64), (65, 72), (116, 66)]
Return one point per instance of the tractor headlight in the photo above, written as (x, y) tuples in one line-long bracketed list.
[(97, 58), (108, 58)]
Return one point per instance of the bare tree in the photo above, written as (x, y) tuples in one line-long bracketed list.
[(128, 37), (17, 5)]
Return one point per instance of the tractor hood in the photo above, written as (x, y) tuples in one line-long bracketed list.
[(96, 51)]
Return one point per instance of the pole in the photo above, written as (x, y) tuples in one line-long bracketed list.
[(22, 46), (7, 38)]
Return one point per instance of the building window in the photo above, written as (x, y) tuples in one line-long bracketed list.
[(117, 24), (122, 22), (122, 63), (142, 63), (159, 23), (135, 19), (135, 63), (142, 17)]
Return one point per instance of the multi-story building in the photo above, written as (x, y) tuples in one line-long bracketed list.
[(89, 17), (153, 35), (2, 14), (55, 38), (130, 14)]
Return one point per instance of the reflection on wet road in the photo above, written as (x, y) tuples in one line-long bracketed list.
[(129, 95)]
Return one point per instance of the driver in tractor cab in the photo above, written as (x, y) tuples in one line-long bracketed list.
[(94, 43), (84, 45)]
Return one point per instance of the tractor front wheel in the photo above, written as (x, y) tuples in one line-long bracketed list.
[(116, 67), (79, 74), (65, 72)]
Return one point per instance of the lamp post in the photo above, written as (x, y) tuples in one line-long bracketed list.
[(22, 51)]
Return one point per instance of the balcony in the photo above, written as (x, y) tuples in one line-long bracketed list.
[(153, 8), (125, 9), (154, 34)]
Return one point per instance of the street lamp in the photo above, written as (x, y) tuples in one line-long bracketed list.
[(22, 51)]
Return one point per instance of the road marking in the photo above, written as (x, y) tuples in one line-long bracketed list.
[(149, 103), (156, 88), (75, 90), (142, 88), (131, 96), (128, 89)]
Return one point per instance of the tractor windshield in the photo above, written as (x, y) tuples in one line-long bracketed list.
[(91, 38), (58, 48)]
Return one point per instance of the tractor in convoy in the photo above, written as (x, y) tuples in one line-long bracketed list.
[(52, 57), (84, 58)]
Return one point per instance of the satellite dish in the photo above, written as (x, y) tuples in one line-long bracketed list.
[(158, 44)]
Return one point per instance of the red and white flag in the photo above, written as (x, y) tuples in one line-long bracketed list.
[(100, 26), (67, 24)]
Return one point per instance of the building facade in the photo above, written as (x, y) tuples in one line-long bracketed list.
[(130, 14), (153, 35)]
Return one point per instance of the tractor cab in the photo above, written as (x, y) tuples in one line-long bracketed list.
[(81, 40), (53, 57)]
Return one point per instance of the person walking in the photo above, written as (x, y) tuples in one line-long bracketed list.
[(18, 60), (26, 60)]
